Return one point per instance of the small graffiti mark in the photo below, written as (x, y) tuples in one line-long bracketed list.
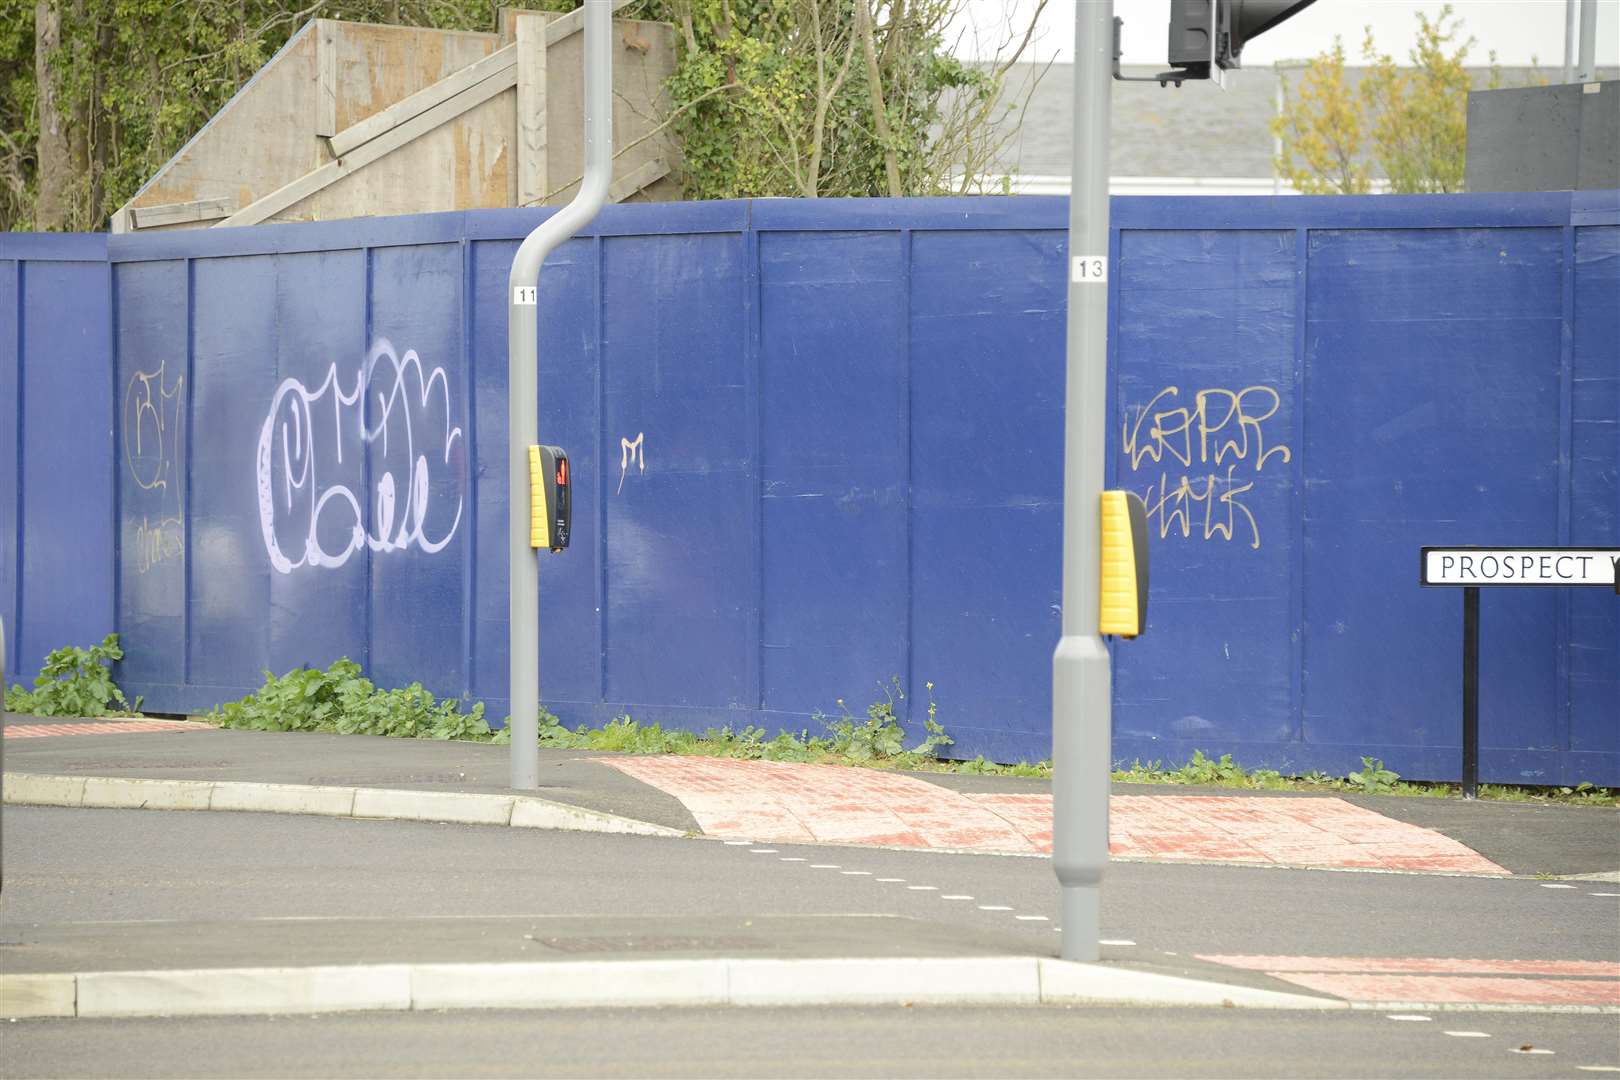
[(631, 450), (297, 507), (1220, 428), (151, 431)]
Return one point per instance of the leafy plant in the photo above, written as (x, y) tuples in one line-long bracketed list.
[(1373, 779), (75, 682), (1201, 770), (342, 700)]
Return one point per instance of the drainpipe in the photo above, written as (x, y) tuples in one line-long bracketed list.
[(523, 410), (1571, 38)]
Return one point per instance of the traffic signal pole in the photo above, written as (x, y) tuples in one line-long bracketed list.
[(1081, 671), (522, 389)]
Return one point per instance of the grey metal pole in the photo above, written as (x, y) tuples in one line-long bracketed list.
[(1588, 68), (523, 407), (1570, 38), (1081, 675)]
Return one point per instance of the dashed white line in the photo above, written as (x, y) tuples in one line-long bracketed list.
[(1108, 941), (1598, 1068), (856, 873), (923, 888), (1469, 1034), (1602, 894), (1032, 918), (955, 896), (1414, 1017), (739, 843), (762, 851), (793, 858), (1528, 1050), (823, 866), (1554, 885), (994, 907), (894, 879)]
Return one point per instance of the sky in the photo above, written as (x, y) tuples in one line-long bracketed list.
[(1518, 30)]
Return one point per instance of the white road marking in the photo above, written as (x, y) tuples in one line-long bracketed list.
[(762, 851), (1555, 885), (823, 866), (1604, 894), (738, 843), (1598, 1068), (793, 858), (856, 873), (898, 879), (1112, 941), (1469, 1034), (1409, 1016), (1528, 1050), (923, 888), (994, 907), (955, 896), (1032, 918)]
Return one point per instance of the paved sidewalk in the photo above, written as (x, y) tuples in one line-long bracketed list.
[(787, 802)]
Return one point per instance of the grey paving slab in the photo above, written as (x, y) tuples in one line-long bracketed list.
[(566, 776)]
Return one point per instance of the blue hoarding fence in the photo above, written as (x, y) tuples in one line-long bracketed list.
[(817, 445)]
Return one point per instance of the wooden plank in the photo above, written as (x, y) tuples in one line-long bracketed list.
[(147, 217), (496, 64), (325, 78), (572, 23), (643, 175), (531, 110), (333, 171)]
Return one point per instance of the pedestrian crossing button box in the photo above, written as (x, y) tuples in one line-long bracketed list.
[(551, 503)]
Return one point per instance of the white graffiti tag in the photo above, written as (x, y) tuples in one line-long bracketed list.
[(392, 404)]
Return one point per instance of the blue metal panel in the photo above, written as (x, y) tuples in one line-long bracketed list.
[(987, 330), (235, 342), (154, 386), (65, 389), (833, 445), (1432, 377), (1204, 355), (572, 613), (11, 445), (680, 549), (308, 448), (416, 457), (1594, 646)]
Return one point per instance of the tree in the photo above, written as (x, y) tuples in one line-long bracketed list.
[(770, 97), (1411, 121)]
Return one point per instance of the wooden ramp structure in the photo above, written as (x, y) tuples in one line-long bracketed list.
[(356, 119)]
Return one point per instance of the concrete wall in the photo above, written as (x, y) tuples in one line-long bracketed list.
[(333, 75)]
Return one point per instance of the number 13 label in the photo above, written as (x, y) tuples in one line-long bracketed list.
[(1088, 269)]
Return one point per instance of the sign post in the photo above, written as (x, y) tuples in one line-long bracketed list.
[(1474, 568)]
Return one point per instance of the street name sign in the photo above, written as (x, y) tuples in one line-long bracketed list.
[(1488, 567), (1474, 568)]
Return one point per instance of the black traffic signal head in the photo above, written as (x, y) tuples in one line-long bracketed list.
[(1206, 33)]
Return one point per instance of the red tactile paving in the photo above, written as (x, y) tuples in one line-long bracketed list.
[(1421, 965), (108, 727), (788, 801), (1458, 989)]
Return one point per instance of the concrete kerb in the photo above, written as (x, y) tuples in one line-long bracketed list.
[(516, 811), (994, 980)]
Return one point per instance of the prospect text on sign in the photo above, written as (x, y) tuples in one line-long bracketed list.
[(1520, 566)]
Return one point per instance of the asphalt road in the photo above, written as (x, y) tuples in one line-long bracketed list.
[(937, 1042), (72, 866)]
